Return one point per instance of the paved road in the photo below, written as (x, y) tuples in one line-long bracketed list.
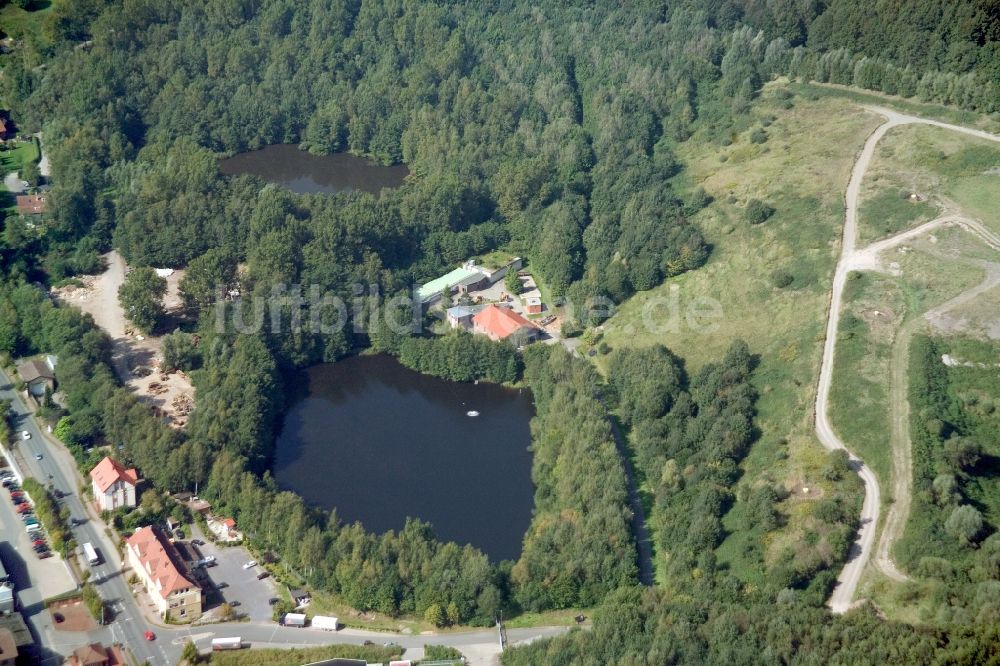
[(129, 624), (852, 259)]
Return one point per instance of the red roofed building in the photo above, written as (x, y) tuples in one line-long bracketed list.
[(96, 654), (113, 485), (3, 128), (498, 323), (31, 204), (158, 564)]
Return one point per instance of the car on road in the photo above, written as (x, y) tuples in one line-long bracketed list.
[(250, 565), (150, 636), (74, 522), (199, 542), (220, 586), (38, 456), (25, 434)]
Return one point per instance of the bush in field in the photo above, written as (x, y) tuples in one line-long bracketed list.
[(965, 523), (757, 212)]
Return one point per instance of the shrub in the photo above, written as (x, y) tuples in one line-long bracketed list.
[(758, 136), (781, 278), (757, 212)]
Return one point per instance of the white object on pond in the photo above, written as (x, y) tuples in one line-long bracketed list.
[(472, 412)]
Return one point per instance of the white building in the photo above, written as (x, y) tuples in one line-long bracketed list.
[(113, 485)]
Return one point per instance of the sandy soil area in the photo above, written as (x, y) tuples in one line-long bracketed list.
[(136, 358)]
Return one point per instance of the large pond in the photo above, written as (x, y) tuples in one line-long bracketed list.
[(306, 173), (381, 442)]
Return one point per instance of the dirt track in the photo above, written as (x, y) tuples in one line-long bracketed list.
[(99, 298), (867, 259)]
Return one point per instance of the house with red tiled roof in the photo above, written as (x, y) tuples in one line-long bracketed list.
[(31, 204), (157, 563), (499, 323), (96, 654), (113, 485)]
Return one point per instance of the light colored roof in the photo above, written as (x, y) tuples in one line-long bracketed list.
[(462, 311), (532, 300), (500, 322), (158, 557), (447, 281), (109, 471), (34, 369), (229, 522)]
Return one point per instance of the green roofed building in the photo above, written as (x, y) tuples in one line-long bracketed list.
[(461, 278)]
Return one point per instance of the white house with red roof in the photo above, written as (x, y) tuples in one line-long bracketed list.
[(155, 560), (499, 323), (113, 485)]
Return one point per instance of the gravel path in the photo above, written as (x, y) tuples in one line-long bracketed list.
[(866, 259)]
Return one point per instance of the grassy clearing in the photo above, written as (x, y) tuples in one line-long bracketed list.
[(23, 23), (933, 111), (951, 169), (890, 211), (804, 181)]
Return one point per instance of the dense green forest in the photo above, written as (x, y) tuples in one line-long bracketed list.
[(543, 128), (650, 627), (951, 541)]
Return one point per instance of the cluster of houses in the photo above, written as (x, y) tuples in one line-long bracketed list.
[(495, 313)]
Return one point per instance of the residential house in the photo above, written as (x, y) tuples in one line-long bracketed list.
[(96, 654), (224, 529), (461, 316), (4, 128), (38, 376), (499, 323), (159, 566), (113, 485), (31, 204)]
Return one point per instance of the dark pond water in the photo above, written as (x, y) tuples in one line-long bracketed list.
[(306, 173), (381, 442)]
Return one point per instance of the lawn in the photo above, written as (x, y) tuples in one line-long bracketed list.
[(802, 171), (953, 170), (21, 23)]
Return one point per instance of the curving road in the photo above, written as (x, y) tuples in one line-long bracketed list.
[(853, 259)]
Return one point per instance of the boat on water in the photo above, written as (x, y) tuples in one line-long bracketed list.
[(472, 412)]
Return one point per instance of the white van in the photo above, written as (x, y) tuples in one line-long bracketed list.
[(33, 528)]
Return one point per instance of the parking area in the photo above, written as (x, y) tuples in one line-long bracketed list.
[(48, 576), (239, 587)]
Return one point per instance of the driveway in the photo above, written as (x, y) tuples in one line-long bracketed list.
[(242, 586)]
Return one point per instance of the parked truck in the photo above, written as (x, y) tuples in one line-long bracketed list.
[(324, 622), (231, 643), (294, 620)]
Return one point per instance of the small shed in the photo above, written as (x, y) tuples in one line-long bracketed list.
[(300, 596), (533, 305)]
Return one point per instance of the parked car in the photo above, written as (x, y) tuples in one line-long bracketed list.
[(220, 586), (40, 549), (8, 481), (25, 434), (178, 534), (250, 565), (199, 542), (23, 508), (262, 575), (44, 556), (272, 601)]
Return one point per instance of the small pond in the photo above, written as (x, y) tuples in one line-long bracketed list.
[(305, 173), (381, 442)]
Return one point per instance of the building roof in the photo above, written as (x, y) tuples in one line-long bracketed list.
[(34, 369), (159, 558), (8, 646), (14, 624), (500, 322), (460, 311), (91, 655), (109, 471), (3, 126), (447, 281), (30, 204), (229, 522)]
